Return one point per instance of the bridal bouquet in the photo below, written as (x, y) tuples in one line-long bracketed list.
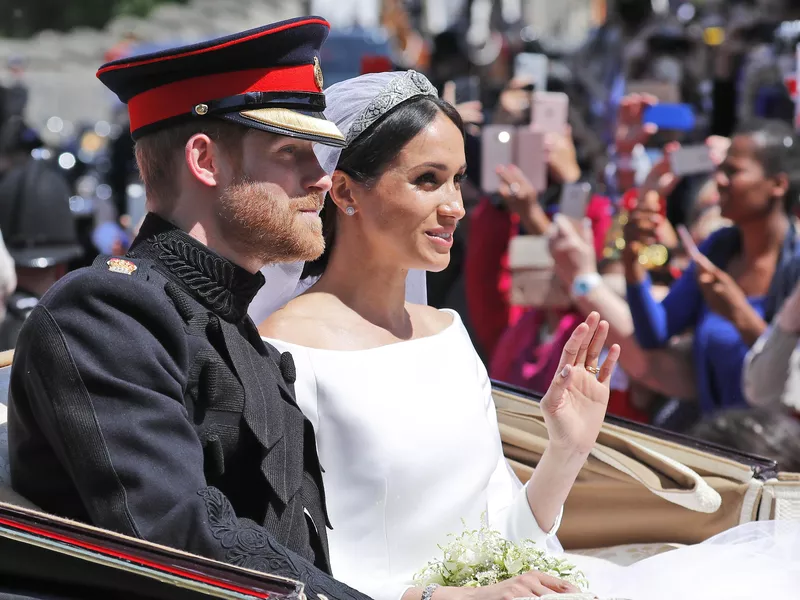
[(482, 557)]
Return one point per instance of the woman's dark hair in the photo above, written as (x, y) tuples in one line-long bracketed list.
[(777, 152), (373, 151), (768, 432)]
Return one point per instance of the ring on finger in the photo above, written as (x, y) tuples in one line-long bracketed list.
[(514, 188), (592, 370)]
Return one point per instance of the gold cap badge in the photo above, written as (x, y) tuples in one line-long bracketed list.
[(118, 265), (318, 73)]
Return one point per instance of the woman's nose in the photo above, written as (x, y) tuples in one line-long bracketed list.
[(453, 208)]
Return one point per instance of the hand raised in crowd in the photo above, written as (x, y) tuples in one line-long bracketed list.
[(789, 316), (522, 199), (471, 112), (661, 181), (575, 404), (631, 130), (722, 294), (646, 224), (572, 250), (562, 158), (718, 148), (514, 104), (640, 231)]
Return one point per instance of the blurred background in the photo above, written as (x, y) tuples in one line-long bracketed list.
[(597, 131)]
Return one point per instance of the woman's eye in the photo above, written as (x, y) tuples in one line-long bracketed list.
[(460, 178), (426, 179)]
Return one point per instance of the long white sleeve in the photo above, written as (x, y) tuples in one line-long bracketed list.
[(772, 370), (508, 509)]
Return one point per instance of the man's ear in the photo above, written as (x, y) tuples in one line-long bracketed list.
[(203, 160), (343, 192)]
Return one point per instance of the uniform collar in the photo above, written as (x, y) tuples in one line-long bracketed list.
[(217, 283)]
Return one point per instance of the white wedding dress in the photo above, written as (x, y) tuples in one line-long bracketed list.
[(408, 438), (407, 435)]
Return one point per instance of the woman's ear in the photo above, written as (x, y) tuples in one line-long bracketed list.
[(343, 191), (781, 185)]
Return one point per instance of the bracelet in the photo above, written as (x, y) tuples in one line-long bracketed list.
[(427, 593)]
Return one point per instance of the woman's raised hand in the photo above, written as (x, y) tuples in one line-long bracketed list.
[(575, 404)]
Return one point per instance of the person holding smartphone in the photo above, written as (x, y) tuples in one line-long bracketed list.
[(729, 293)]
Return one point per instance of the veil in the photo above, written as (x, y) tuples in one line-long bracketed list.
[(353, 105)]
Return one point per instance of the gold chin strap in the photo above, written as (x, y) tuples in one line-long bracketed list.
[(294, 121)]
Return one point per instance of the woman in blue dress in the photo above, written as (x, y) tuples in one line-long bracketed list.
[(729, 299)]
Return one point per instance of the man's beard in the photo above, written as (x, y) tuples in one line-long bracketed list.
[(258, 222)]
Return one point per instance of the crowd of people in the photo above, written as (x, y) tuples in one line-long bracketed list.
[(306, 254)]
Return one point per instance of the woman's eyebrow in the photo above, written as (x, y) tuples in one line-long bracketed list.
[(439, 166)]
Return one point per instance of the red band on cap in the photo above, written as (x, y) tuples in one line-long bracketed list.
[(180, 97)]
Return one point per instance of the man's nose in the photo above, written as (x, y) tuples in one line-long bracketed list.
[(318, 180)]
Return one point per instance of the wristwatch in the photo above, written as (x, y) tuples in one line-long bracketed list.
[(583, 284)]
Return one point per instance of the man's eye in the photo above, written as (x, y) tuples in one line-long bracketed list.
[(288, 150)]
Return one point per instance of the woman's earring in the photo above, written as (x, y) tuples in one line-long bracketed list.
[(350, 211)]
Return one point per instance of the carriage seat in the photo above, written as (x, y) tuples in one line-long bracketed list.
[(7, 494)]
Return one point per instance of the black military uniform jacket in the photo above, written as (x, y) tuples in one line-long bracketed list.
[(142, 400)]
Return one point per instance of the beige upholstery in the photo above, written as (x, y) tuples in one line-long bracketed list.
[(640, 489)]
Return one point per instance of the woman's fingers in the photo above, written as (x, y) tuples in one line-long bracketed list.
[(558, 585), (570, 352), (542, 590), (591, 321), (505, 174), (609, 363), (597, 344)]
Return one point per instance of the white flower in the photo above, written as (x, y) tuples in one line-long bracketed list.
[(482, 557)]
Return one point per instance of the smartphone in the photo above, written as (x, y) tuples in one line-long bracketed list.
[(549, 112), (529, 252), (688, 242), (531, 158), (533, 282), (692, 160), (497, 148), (532, 67), (664, 91), (468, 89), (671, 117), (574, 200)]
